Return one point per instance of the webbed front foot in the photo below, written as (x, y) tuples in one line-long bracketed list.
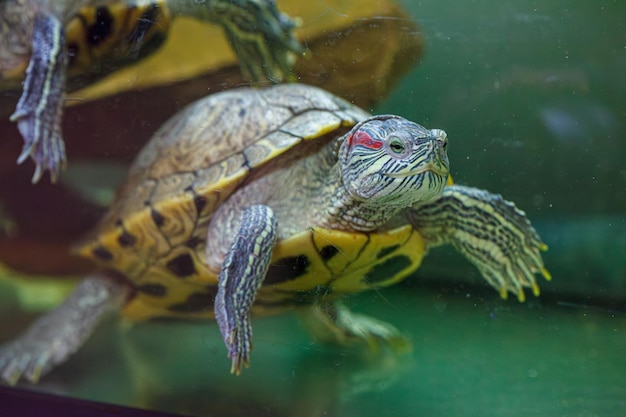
[(490, 232), (39, 111)]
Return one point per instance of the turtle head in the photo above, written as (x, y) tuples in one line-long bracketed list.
[(389, 160)]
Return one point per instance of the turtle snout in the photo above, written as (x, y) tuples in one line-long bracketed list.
[(439, 150)]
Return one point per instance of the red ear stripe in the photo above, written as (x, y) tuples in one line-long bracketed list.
[(361, 138)]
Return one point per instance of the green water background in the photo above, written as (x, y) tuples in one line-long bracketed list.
[(533, 97)]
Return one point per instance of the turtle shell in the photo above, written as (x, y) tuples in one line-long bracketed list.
[(99, 39), (155, 232)]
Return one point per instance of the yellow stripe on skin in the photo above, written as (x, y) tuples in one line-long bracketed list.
[(511, 272), (494, 250)]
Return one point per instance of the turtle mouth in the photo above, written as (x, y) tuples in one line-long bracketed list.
[(430, 167)]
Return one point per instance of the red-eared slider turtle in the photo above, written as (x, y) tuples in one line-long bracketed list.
[(42, 37), (255, 201)]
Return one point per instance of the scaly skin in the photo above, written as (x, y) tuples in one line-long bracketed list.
[(241, 276), (489, 231)]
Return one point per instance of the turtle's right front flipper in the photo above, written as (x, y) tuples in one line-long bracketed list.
[(243, 272), (40, 108)]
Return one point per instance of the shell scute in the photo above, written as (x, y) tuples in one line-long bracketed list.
[(398, 251), (265, 149), (177, 293), (349, 246), (179, 218), (345, 268), (130, 199), (171, 187), (299, 98), (312, 124), (349, 116), (110, 31), (151, 242)]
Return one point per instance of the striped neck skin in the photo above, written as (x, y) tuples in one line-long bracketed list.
[(386, 164)]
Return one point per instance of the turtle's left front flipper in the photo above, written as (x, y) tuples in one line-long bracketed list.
[(243, 272), (489, 231), (40, 108)]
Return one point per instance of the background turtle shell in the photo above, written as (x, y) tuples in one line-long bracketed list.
[(155, 231), (358, 54), (99, 38)]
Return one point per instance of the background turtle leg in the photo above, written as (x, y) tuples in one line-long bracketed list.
[(334, 323), (258, 32), (489, 231), (243, 272), (52, 338), (40, 108)]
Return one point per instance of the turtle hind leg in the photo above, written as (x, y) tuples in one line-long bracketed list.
[(335, 323), (52, 338), (39, 111)]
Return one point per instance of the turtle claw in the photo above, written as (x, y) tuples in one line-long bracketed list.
[(40, 108), (54, 337), (536, 290), (22, 359), (35, 352), (48, 152), (239, 347), (26, 151)]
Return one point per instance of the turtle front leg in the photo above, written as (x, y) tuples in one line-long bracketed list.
[(258, 32), (489, 231), (40, 108), (54, 337), (243, 272)]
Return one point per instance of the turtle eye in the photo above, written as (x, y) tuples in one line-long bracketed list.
[(398, 147)]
